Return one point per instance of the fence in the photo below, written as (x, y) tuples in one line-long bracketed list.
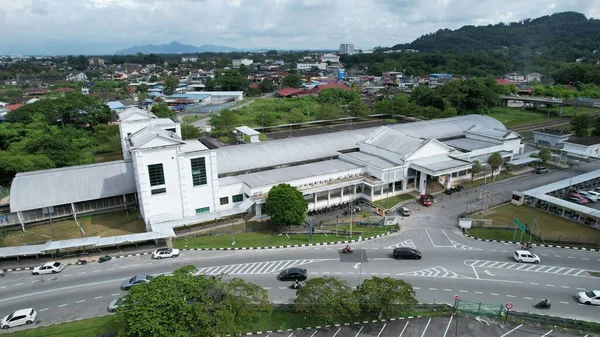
[(479, 308), (210, 108)]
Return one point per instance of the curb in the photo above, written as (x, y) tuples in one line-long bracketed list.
[(88, 261), (292, 246), (534, 244), (333, 325)]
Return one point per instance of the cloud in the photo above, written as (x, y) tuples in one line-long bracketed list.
[(103, 26)]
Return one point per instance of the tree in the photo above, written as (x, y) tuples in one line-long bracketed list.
[(596, 131), (286, 205), (187, 304), (358, 109), (291, 81), (266, 85), (495, 161), (161, 110), (328, 112), (477, 168), (387, 297), (170, 85), (580, 125), (231, 80), (142, 88), (224, 122), (189, 131), (328, 298), (545, 155)]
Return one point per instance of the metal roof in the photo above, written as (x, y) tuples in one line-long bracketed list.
[(73, 243), (523, 160), (284, 151), (247, 131), (191, 96), (288, 174), (492, 133), (21, 250), (441, 164), (394, 141), (150, 132), (468, 144), (563, 183), (129, 238), (38, 189), (369, 159)]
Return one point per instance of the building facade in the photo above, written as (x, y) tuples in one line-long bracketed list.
[(346, 48)]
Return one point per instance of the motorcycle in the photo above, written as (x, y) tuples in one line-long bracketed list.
[(543, 304), (80, 262), (296, 285), (347, 251), (104, 259)]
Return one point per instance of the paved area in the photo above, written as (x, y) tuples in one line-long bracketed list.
[(430, 327)]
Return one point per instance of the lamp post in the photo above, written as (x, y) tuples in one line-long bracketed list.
[(361, 261)]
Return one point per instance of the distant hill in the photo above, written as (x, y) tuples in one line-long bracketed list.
[(175, 48), (562, 36)]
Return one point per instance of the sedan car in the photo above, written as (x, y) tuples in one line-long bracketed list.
[(114, 304), (404, 211), (135, 281), (591, 197), (293, 274), (1, 272), (48, 268), (541, 170), (19, 317), (589, 297), (165, 253)]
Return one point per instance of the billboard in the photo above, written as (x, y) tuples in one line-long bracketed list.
[(341, 74)]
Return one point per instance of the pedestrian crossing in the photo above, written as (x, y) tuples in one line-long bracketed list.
[(257, 268), (536, 268), (434, 272)]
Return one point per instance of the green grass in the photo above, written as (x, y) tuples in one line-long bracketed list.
[(512, 117), (390, 202), (191, 118), (258, 239), (499, 234), (549, 227), (594, 273), (92, 327)]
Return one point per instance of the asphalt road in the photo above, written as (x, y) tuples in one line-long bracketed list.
[(451, 265)]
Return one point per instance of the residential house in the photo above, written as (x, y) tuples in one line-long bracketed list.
[(238, 62), (3, 104), (35, 91), (33, 100), (81, 77), (189, 59), (330, 58), (310, 66), (534, 77), (515, 77)]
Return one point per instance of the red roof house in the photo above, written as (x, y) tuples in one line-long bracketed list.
[(502, 81), (13, 107), (35, 91), (291, 92), (64, 89)]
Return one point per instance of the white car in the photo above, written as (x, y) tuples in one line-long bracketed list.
[(165, 253), (589, 297), (587, 195), (48, 268), (594, 193), (19, 317), (526, 256)]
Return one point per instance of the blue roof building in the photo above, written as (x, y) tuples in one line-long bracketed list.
[(116, 105)]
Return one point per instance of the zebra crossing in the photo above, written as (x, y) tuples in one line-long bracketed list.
[(406, 243), (536, 268), (258, 268), (434, 272)]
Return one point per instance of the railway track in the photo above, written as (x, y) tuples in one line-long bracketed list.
[(547, 124)]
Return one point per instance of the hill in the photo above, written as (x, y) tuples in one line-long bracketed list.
[(174, 48), (561, 37)]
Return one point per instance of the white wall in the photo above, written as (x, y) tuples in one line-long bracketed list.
[(229, 191), (429, 150), (592, 150)]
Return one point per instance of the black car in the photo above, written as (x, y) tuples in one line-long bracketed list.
[(407, 253), (293, 274), (541, 170)]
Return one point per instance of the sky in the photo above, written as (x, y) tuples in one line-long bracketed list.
[(60, 27)]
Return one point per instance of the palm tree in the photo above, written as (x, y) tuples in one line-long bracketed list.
[(495, 161)]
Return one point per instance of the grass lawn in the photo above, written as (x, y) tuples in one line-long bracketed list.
[(594, 273), (549, 227), (261, 239), (191, 118), (503, 175), (92, 327), (390, 202), (512, 117), (108, 156), (499, 234), (107, 224)]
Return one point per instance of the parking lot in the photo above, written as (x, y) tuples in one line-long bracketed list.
[(428, 327)]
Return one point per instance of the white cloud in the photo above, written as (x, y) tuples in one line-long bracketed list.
[(103, 26)]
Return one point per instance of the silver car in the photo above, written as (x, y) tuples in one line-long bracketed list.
[(135, 281), (114, 304)]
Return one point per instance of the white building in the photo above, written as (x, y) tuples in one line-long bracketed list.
[(309, 66), (515, 77), (189, 59), (331, 58), (346, 48), (177, 182), (81, 77), (238, 62), (534, 77)]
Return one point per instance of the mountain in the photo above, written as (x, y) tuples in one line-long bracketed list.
[(562, 36), (175, 48)]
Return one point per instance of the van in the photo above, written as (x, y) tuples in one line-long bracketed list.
[(407, 253), (526, 256)]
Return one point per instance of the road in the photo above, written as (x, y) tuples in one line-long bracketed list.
[(452, 265)]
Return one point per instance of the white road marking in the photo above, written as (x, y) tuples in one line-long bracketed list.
[(82, 273), (433, 289), (570, 257), (417, 288), (19, 284), (528, 298), (512, 296), (426, 326), (97, 271), (494, 294), (585, 258), (80, 301), (44, 309), (67, 275), (405, 325), (379, 334), (335, 334), (547, 333), (565, 287), (475, 271), (62, 305), (97, 297), (313, 335), (463, 291), (110, 268), (508, 333), (549, 285), (581, 289), (115, 294), (358, 333), (447, 289), (533, 283), (563, 302), (479, 292), (448, 327), (557, 256), (36, 281), (282, 288)]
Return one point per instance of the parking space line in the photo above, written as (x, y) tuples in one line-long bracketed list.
[(426, 326), (291, 334), (80, 301), (547, 333), (335, 334), (313, 335), (358, 333), (62, 305), (563, 302), (43, 309), (448, 327), (511, 331), (384, 325), (405, 325)]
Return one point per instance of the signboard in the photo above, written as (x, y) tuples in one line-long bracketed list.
[(456, 297), (519, 225), (508, 306), (341, 74)]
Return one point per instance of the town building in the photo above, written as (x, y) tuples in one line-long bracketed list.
[(330, 58), (238, 62), (96, 62), (346, 48)]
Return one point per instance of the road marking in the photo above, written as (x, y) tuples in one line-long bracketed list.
[(417, 288), (433, 289), (585, 258), (62, 305), (426, 326), (479, 292), (528, 298), (494, 294), (97, 271), (36, 281), (447, 289), (313, 335), (533, 283), (80, 301), (557, 256), (281, 288), (508, 333), (570, 257), (97, 297), (505, 251), (335, 334), (491, 250), (549, 285), (565, 287), (358, 333), (435, 272), (19, 284), (463, 291), (475, 271), (563, 302), (405, 325), (448, 327), (82, 273), (67, 275), (44, 309), (581, 289), (379, 334), (547, 333), (115, 294), (512, 296), (110, 268)]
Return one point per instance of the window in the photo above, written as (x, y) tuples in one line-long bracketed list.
[(224, 200), (237, 198), (170, 130), (202, 210), (159, 191), (156, 174), (198, 171)]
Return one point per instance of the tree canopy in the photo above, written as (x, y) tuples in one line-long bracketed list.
[(581, 125), (328, 298), (495, 161), (187, 304), (286, 205), (386, 297), (161, 110), (291, 81)]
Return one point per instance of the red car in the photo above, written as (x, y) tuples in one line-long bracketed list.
[(426, 200)]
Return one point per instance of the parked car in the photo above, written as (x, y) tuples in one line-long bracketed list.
[(589, 297), (1, 272), (526, 256), (293, 274), (135, 281), (114, 304), (541, 169), (584, 201), (48, 268), (589, 196), (596, 194), (406, 253), (165, 253), (404, 211), (426, 201), (19, 317), (577, 200)]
